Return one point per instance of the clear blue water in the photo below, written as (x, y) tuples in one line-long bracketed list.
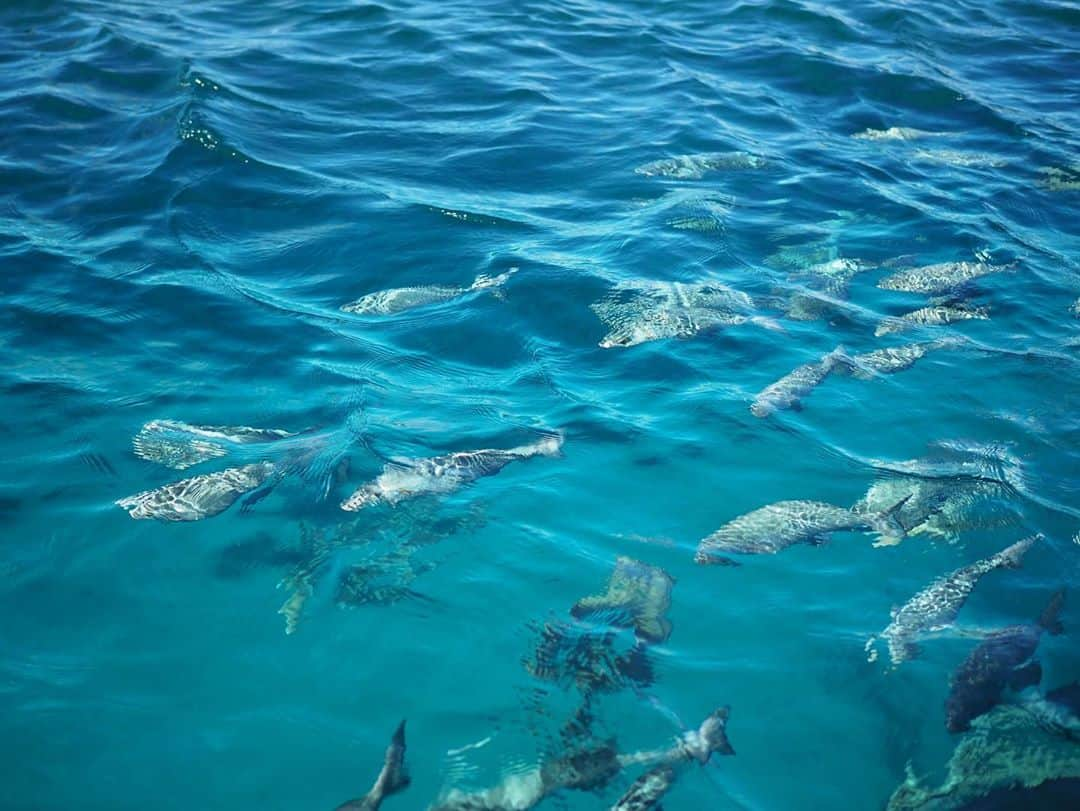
[(189, 193)]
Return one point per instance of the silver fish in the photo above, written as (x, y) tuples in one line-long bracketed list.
[(638, 594), (694, 167), (954, 157), (408, 478), (774, 527), (940, 278), (896, 134), (641, 311), (392, 777), (894, 359), (826, 285), (932, 316), (179, 445), (788, 391), (936, 606), (399, 299), (936, 507), (198, 497)]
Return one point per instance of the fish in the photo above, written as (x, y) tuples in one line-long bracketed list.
[(826, 284), (641, 311), (408, 478), (935, 607), (894, 359), (392, 778), (937, 507), (774, 527), (1005, 659), (400, 299), (178, 445), (637, 595), (933, 316), (1058, 711), (592, 769), (954, 157), (896, 134), (198, 497), (647, 791), (1058, 178), (788, 391), (694, 167), (939, 278)]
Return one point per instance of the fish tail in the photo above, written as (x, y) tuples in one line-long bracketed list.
[(483, 281), (1049, 619), (887, 523), (1012, 556)]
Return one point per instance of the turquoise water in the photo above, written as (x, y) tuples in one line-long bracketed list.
[(190, 192)]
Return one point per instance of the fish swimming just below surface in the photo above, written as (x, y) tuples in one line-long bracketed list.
[(940, 278), (788, 391), (400, 299), (933, 316), (694, 167), (392, 777), (935, 607), (773, 528), (408, 478)]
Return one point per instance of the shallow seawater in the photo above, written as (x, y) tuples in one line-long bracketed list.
[(189, 193)]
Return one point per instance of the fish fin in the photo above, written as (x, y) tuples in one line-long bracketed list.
[(818, 540), (1050, 620), (888, 525), (707, 559), (1026, 676), (255, 496)]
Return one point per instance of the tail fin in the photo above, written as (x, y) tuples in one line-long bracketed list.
[(768, 323), (394, 777), (1049, 618), (710, 737), (887, 523), (484, 282), (550, 445)]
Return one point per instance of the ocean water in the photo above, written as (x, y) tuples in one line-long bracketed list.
[(190, 192)]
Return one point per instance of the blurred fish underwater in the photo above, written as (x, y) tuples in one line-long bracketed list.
[(435, 346)]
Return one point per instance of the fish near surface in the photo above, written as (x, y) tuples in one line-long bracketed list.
[(1005, 659), (179, 445), (774, 527), (937, 507), (939, 278), (400, 299), (198, 497), (935, 315), (642, 311), (408, 478), (788, 391), (392, 777), (936, 606), (647, 791), (892, 359), (694, 167), (638, 595)]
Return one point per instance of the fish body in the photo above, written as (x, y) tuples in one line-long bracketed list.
[(932, 316), (179, 445), (940, 278), (940, 507), (773, 528), (1005, 659), (935, 607), (954, 157), (400, 299), (895, 134), (647, 791), (639, 312), (826, 287), (694, 167), (198, 497), (788, 391), (408, 478), (892, 359), (637, 595), (392, 778)]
